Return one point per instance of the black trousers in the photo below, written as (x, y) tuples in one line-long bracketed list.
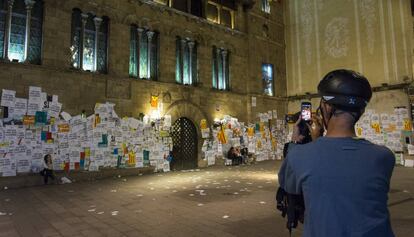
[(46, 174)]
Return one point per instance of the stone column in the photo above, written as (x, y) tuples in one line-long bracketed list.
[(190, 61), (224, 55), (8, 30), (139, 30), (182, 59), (29, 7), (150, 34), (82, 39), (98, 22)]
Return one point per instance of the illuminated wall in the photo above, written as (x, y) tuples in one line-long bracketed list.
[(370, 36)]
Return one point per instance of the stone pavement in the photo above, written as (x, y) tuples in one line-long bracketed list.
[(217, 201)]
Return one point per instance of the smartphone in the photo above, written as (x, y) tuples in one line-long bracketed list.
[(306, 111)]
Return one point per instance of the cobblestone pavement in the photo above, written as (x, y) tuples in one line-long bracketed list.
[(218, 201)]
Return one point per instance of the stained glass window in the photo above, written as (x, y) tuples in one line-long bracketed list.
[(183, 59), (89, 45), (89, 53), (267, 78), (266, 6), (18, 32), (194, 67), (133, 70), (178, 56), (76, 38), (3, 14), (143, 57), (102, 46), (16, 47), (221, 76), (154, 56), (35, 47)]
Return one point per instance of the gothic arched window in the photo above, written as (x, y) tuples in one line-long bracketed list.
[(221, 71), (186, 61), (89, 42), (144, 58), (21, 30)]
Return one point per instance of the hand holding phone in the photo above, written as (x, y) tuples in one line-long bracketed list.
[(306, 111)]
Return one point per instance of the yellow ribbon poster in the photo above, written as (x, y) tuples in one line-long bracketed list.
[(376, 127), (407, 125), (154, 101), (221, 136), (203, 124), (250, 131)]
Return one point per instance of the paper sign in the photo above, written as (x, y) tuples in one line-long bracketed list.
[(254, 101), (33, 107), (205, 133), (54, 109), (63, 128), (35, 94), (8, 98), (133, 123), (274, 114), (28, 120), (66, 116), (20, 107), (167, 121)]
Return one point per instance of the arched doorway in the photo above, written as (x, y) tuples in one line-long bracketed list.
[(184, 135)]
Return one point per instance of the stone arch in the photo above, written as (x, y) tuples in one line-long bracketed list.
[(130, 19), (191, 111), (211, 41)]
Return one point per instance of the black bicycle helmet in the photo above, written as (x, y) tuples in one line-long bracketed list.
[(346, 89)]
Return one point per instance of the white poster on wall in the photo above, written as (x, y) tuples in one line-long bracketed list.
[(8, 98)]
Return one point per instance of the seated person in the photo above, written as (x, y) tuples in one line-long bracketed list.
[(245, 154), (234, 155)]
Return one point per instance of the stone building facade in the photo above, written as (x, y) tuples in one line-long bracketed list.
[(254, 37)]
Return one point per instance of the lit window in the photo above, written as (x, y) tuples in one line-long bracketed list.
[(163, 2), (220, 68), (143, 62), (21, 37), (220, 14), (186, 58), (267, 78), (266, 6), (212, 12), (89, 42)]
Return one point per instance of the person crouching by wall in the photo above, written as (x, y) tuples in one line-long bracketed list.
[(234, 155), (48, 168)]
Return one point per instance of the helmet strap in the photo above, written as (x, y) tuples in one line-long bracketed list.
[(326, 122)]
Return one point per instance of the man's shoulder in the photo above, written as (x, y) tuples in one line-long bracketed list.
[(378, 149), (298, 152)]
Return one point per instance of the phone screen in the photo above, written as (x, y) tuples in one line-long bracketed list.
[(306, 111)]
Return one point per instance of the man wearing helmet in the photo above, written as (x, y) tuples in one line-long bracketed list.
[(344, 180)]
